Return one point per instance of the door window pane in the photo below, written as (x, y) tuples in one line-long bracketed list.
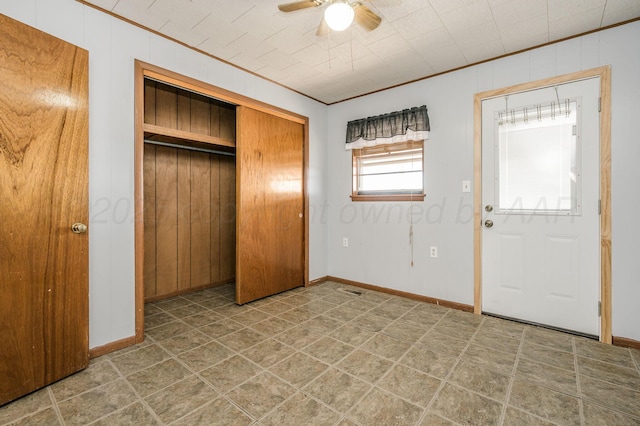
[(537, 164)]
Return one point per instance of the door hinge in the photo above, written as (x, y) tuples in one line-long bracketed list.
[(599, 104), (599, 309), (599, 206)]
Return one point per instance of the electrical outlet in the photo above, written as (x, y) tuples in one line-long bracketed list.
[(434, 251), (345, 242)]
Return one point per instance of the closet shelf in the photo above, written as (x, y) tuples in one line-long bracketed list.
[(181, 137)]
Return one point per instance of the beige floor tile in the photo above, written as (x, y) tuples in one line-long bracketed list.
[(97, 374), (32, 403), (221, 328), (322, 324), (389, 311), (219, 412), (381, 408), (338, 389), (230, 373), (497, 341), (159, 318), (365, 365), (298, 337), (185, 342), (157, 377), (299, 369), (449, 327), (205, 356), (442, 343), (139, 359), (301, 410), (96, 403), (546, 403), (464, 318), (352, 334), (275, 308), (202, 318), (268, 353), (545, 375), (465, 407), (134, 414), (272, 326), (412, 385), (261, 394), (607, 353), (550, 338), (242, 339), (48, 417), (433, 363), (598, 415), (481, 380), (328, 350), (516, 417), (613, 396), (498, 361), (186, 396), (549, 356), (168, 330), (505, 327), (343, 313), (250, 316), (431, 419), (404, 331), (612, 373), (386, 346), (188, 310)]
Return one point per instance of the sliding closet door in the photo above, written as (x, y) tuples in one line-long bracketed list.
[(270, 204)]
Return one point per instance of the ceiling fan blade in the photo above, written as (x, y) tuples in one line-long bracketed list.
[(323, 28), (297, 5), (366, 17)]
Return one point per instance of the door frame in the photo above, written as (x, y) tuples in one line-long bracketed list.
[(142, 70), (604, 73)]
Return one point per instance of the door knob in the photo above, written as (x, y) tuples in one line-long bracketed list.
[(78, 228), (488, 223)]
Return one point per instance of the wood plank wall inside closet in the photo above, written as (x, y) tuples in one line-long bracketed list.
[(190, 211)]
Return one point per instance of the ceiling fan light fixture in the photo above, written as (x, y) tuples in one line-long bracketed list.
[(339, 15)]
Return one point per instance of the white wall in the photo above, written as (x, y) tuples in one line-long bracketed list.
[(379, 251), (113, 45)]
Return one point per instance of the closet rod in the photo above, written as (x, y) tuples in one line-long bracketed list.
[(190, 148)]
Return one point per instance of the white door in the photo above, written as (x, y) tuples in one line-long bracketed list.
[(540, 199)]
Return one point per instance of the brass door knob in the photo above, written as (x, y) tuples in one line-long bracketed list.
[(78, 228), (488, 223)]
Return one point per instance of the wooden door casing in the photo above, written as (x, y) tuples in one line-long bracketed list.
[(44, 190), (270, 224)]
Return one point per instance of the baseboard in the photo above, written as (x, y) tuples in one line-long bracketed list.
[(625, 342), (318, 281), (418, 297), (112, 347)]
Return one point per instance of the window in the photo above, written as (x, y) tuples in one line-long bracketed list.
[(389, 172), (538, 161)]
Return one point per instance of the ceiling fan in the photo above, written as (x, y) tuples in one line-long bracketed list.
[(338, 15)]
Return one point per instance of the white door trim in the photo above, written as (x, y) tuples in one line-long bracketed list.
[(605, 184)]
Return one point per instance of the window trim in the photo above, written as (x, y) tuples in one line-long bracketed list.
[(382, 196)]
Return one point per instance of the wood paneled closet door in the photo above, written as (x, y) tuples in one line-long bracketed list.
[(270, 200), (43, 192)]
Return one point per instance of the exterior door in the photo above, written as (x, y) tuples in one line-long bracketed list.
[(270, 200), (540, 200), (43, 192)]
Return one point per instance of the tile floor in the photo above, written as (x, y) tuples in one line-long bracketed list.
[(325, 356)]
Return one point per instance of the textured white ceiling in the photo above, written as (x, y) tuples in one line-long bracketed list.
[(416, 39)]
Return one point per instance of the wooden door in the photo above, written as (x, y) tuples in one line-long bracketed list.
[(270, 204), (43, 191)]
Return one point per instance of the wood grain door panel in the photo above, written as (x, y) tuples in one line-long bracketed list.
[(270, 226), (43, 188)]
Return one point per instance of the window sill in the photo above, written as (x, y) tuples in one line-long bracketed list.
[(388, 197)]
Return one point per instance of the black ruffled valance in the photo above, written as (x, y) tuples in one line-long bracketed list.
[(394, 127)]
